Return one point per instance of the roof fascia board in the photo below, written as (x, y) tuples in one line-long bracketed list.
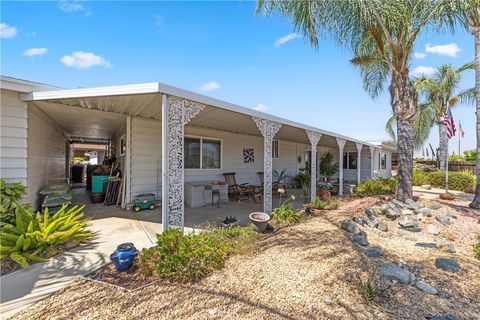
[(142, 88)]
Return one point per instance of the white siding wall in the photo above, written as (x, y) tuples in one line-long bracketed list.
[(46, 152), (384, 173), (13, 138), (146, 164)]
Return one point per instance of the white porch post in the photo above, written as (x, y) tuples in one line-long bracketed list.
[(341, 145), (359, 161), (176, 113), (372, 162), (314, 137), (268, 129)]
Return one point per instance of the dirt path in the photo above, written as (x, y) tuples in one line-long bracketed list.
[(308, 271)]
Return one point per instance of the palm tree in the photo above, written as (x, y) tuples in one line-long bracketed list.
[(381, 34), (467, 12), (438, 92)]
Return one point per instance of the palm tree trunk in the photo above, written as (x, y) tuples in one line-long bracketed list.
[(443, 141), (404, 101), (476, 33)]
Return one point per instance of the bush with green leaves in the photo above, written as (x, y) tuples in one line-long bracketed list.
[(476, 247), (36, 234), (420, 178), (327, 167), (285, 214), (10, 193), (457, 180), (329, 204), (380, 186), (189, 257), (470, 155)]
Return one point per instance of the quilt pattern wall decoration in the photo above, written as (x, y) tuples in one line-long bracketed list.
[(248, 155)]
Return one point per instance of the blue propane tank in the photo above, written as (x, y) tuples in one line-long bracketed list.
[(124, 256)]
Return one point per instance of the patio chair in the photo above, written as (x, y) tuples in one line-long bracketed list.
[(238, 191), (275, 184)]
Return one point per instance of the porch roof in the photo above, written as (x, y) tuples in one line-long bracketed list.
[(144, 100)]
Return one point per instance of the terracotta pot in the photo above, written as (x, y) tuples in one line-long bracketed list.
[(323, 194)]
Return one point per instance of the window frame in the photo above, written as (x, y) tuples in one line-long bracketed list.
[(346, 164), (383, 156), (122, 145), (275, 156), (201, 152)]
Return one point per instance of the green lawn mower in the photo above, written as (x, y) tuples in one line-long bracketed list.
[(144, 201)]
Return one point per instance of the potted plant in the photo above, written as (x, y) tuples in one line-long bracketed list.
[(259, 220), (327, 169), (324, 191), (230, 221), (307, 208)]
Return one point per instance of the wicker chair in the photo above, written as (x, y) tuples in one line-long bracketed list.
[(235, 190)]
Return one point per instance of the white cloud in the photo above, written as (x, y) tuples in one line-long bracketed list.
[(289, 37), (210, 86), (419, 55), (35, 52), (84, 60), (74, 6), (450, 49), (422, 70), (7, 31), (260, 107)]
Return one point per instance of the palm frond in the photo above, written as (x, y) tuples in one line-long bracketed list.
[(467, 96)]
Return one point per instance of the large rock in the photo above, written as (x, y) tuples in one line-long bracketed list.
[(360, 221), (425, 287), (382, 226), (444, 317), (396, 273), (398, 203), (445, 220), (378, 210), (452, 215), (350, 226), (408, 222), (424, 212), (426, 245), (392, 213), (447, 264), (434, 205), (433, 229), (361, 239), (426, 187), (412, 205), (373, 252)]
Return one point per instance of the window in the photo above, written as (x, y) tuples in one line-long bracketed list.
[(350, 160), (275, 149), (383, 161), (202, 153), (123, 145)]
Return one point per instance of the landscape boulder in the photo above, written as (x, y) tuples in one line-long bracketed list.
[(434, 205), (424, 212), (447, 264), (425, 287), (396, 273), (350, 226), (445, 220), (382, 226), (392, 214), (408, 222), (373, 252), (426, 187), (361, 239), (433, 229)]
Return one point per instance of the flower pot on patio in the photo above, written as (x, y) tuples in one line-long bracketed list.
[(230, 222), (259, 220), (323, 194)]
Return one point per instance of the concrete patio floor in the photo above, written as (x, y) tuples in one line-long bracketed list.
[(113, 226)]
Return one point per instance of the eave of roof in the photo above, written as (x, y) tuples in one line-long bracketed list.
[(157, 87)]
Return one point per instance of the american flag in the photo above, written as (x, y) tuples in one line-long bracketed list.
[(449, 123), (461, 129)]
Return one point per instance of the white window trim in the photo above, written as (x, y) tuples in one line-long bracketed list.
[(278, 149), (382, 154), (348, 162), (124, 138), (201, 152)]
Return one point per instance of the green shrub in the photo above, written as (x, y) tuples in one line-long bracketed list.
[(330, 204), (189, 257), (457, 180), (470, 155), (476, 247), (419, 178), (10, 193), (286, 214), (33, 235), (371, 187)]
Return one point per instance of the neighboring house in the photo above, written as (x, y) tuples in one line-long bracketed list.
[(165, 137)]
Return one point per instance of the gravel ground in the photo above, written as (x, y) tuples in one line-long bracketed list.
[(307, 271)]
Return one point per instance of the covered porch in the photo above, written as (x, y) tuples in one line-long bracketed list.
[(174, 137)]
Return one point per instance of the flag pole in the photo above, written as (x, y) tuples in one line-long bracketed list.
[(446, 168)]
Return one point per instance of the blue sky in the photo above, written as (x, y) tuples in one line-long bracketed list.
[(221, 49)]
